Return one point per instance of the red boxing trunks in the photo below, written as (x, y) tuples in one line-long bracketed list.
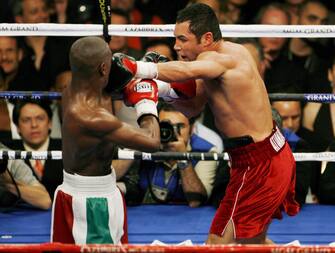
[(89, 210), (262, 184)]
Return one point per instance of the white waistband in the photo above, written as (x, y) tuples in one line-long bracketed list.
[(80, 183)]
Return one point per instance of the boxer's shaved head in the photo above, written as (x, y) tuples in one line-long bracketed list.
[(87, 54)]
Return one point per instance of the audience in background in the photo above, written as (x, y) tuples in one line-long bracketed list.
[(14, 76), (43, 57), (214, 4), (312, 54), (290, 113), (171, 181), (138, 16), (62, 81), (327, 180), (296, 65), (59, 11), (319, 117), (280, 73), (293, 7), (120, 43), (161, 46), (233, 12), (18, 183), (33, 121)]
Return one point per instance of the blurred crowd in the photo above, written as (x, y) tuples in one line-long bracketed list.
[(287, 65)]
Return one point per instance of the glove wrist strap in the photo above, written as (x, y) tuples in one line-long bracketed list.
[(147, 70), (146, 106)]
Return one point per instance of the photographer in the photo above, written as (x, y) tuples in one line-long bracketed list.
[(17, 182), (174, 181)]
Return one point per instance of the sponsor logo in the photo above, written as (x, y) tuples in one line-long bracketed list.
[(320, 97), (309, 31), (143, 87), (145, 29), (277, 140), (18, 28)]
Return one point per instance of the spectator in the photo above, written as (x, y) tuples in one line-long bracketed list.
[(214, 4), (233, 12), (17, 182), (327, 181), (312, 54), (146, 15), (318, 117), (10, 58), (290, 113), (33, 121), (44, 57), (127, 170), (280, 73), (180, 181), (14, 76), (120, 43), (62, 81), (59, 9), (293, 8), (161, 46)]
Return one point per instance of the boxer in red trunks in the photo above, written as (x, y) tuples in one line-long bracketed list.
[(227, 78)]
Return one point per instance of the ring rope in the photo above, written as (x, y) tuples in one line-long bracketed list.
[(38, 95), (149, 30), (309, 97), (137, 155)]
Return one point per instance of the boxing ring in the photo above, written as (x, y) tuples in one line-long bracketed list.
[(28, 230)]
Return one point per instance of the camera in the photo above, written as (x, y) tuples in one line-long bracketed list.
[(168, 131)]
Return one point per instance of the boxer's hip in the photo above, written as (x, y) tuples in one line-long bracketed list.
[(243, 151)]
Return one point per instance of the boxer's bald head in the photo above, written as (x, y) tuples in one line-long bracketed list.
[(89, 55)]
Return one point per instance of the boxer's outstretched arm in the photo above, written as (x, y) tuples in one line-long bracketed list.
[(210, 65)]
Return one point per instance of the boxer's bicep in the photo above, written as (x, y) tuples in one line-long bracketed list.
[(135, 138)]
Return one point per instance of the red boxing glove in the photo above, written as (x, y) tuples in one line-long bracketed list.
[(143, 95), (177, 90)]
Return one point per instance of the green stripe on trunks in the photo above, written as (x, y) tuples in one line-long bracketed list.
[(97, 221)]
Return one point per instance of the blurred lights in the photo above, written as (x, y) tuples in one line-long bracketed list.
[(82, 8)]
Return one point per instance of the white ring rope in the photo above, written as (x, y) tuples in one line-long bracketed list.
[(149, 30), (135, 155)]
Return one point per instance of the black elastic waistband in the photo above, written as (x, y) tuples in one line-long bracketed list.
[(236, 142), (253, 153)]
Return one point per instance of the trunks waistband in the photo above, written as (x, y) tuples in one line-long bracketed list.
[(78, 183), (255, 152)]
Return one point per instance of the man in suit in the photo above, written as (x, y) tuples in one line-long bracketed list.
[(33, 121)]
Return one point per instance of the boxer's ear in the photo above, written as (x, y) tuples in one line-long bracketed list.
[(207, 39), (103, 69)]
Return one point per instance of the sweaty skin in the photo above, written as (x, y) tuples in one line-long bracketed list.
[(90, 131), (228, 79)]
